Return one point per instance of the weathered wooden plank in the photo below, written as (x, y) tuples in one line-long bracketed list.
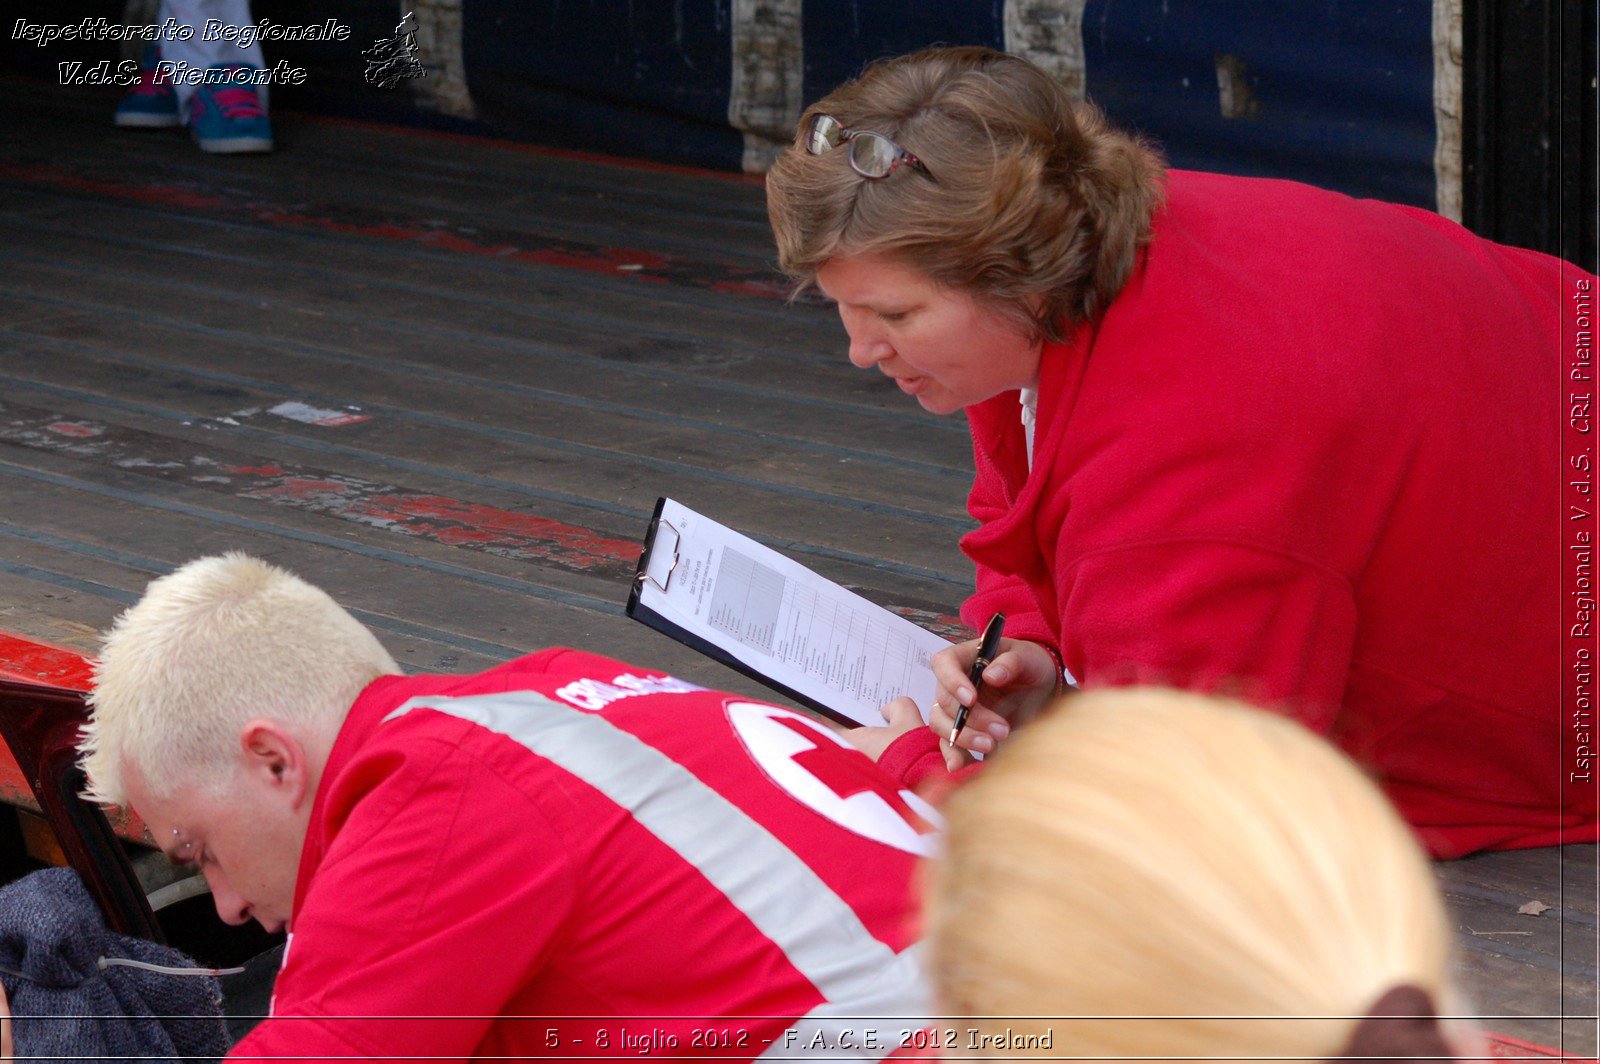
[(1517, 965), (1557, 877), (214, 465), (730, 293), (95, 559), (687, 445), (489, 334), (606, 517), (402, 289), (1525, 1002), (562, 472), (223, 397)]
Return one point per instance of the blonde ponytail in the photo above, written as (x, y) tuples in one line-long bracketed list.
[(1147, 853)]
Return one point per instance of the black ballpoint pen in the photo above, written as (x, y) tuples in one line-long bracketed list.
[(988, 643)]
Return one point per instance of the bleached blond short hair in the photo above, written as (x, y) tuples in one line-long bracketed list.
[(1148, 853), (208, 648)]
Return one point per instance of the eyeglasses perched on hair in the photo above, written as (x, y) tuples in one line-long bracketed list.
[(872, 155)]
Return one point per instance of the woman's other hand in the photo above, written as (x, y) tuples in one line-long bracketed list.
[(902, 716), (1017, 684)]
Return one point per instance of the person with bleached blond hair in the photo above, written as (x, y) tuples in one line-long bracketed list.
[(209, 648), (1167, 876), (563, 836)]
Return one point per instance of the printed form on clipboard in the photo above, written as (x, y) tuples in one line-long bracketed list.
[(776, 621)]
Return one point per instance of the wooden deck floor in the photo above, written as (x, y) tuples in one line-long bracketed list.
[(513, 353)]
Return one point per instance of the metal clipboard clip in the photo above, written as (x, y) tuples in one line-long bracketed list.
[(655, 548)]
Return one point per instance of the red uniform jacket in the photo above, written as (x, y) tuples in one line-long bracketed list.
[(571, 855), (1313, 455)]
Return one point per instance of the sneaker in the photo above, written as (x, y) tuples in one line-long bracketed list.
[(151, 103), (226, 117)]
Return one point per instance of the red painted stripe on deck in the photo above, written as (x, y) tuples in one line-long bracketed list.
[(637, 264), (467, 522), (450, 521), (455, 522), (27, 659), (569, 154), (160, 195), (604, 260)]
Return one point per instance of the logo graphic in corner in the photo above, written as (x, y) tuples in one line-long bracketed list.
[(796, 752)]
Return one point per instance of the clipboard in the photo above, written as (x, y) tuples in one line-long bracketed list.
[(651, 619), (822, 659)]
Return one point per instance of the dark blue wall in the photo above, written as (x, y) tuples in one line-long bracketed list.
[(842, 36), (1343, 89), (628, 77)]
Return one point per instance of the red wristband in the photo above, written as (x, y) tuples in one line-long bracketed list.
[(1061, 668)]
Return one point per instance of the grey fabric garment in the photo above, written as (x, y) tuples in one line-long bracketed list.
[(66, 1007)]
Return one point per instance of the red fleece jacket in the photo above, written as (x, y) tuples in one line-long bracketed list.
[(1312, 455)]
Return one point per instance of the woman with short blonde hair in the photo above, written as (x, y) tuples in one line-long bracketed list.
[(1180, 862)]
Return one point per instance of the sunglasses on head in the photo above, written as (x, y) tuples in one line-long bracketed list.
[(872, 155)]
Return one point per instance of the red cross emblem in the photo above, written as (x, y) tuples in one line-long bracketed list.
[(832, 778)]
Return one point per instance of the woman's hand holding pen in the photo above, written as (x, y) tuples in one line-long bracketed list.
[(1017, 684)]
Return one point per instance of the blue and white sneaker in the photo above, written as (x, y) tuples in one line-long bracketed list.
[(152, 103), (226, 115)]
